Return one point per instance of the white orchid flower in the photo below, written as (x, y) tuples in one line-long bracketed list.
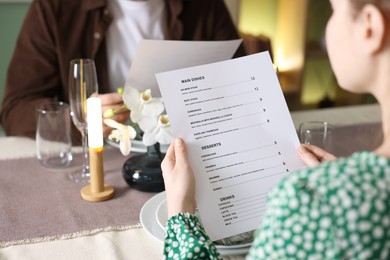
[(141, 104), (158, 130), (121, 133)]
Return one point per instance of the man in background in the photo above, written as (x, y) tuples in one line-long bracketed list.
[(55, 32)]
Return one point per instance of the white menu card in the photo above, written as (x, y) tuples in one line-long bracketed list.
[(240, 137), (155, 56)]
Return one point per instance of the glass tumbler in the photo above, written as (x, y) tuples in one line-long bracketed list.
[(317, 133), (53, 135)]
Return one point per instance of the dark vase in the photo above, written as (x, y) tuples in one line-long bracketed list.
[(143, 172)]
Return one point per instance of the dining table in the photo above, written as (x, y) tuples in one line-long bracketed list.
[(43, 216)]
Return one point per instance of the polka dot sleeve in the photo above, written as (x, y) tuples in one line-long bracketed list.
[(338, 210), (296, 226), (186, 239)]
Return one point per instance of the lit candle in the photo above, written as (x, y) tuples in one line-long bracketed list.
[(96, 191), (94, 123)]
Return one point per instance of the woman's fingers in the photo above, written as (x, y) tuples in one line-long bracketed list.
[(179, 179), (307, 157), (312, 155), (321, 154)]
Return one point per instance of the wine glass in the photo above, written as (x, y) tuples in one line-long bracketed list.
[(82, 85)]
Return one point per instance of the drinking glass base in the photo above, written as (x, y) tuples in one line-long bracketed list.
[(80, 177)]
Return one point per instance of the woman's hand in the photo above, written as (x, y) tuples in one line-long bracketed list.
[(114, 101), (312, 155), (179, 179)]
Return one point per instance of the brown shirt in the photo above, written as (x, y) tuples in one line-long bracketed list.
[(56, 31)]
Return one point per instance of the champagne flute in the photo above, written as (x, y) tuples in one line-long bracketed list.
[(82, 85)]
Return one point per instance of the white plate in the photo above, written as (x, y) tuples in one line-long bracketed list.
[(148, 218), (161, 214), (137, 146)]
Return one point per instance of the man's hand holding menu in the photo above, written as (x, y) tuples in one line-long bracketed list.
[(240, 137)]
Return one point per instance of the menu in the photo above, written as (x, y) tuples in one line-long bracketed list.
[(240, 137), (155, 56)]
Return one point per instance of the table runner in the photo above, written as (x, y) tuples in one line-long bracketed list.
[(340, 116), (39, 204), (352, 138)]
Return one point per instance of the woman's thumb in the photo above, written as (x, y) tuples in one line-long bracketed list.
[(180, 150)]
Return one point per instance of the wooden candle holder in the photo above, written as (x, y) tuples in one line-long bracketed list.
[(97, 190)]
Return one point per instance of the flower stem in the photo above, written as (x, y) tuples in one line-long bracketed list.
[(111, 112)]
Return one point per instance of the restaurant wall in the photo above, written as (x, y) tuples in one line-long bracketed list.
[(318, 82), (11, 18), (259, 17)]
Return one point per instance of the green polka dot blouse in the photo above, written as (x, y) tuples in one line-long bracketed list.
[(337, 210)]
